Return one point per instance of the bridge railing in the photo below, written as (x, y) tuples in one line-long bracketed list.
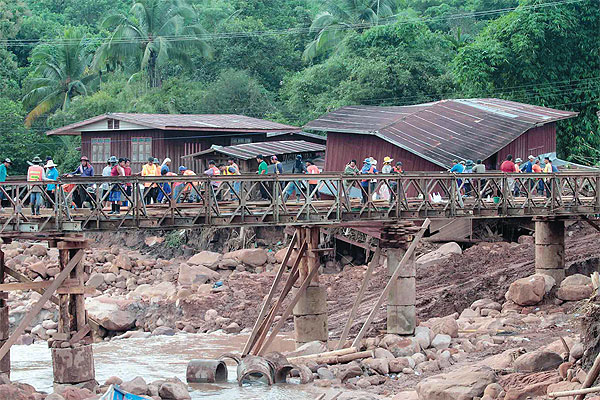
[(192, 201)]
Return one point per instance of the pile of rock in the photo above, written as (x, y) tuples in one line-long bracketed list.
[(534, 289)]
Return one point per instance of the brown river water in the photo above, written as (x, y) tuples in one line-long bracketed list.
[(160, 357)]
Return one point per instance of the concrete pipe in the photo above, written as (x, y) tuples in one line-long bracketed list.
[(254, 368), (303, 372), (231, 356), (281, 366), (206, 371)]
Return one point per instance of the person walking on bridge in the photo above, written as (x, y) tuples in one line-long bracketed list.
[(118, 169), (51, 175), (35, 173), (6, 163), (84, 170), (263, 169), (148, 170)]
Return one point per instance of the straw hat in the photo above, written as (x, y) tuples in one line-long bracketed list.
[(50, 164), (388, 159)]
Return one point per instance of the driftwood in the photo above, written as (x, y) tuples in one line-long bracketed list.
[(591, 377), (581, 392), (341, 352), (341, 359)]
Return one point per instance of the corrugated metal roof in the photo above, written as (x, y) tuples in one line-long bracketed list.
[(248, 151), (317, 136), (444, 130), (193, 122)]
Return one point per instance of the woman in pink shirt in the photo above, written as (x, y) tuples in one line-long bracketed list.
[(312, 169)]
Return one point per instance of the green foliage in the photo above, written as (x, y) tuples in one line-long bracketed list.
[(61, 73), (12, 13), (144, 38), (549, 58), (384, 65), (340, 16), (235, 92)]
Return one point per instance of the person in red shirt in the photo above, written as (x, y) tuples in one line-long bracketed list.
[(312, 169), (508, 166), (128, 172)]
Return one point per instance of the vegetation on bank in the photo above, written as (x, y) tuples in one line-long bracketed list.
[(66, 60)]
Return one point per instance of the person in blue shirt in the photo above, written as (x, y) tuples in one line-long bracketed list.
[(3, 174), (85, 169), (51, 175), (366, 169), (457, 167)]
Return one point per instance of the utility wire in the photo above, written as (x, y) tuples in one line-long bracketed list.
[(289, 31)]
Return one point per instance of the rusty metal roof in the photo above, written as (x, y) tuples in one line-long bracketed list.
[(249, 151), (443, 130), (192, 122)]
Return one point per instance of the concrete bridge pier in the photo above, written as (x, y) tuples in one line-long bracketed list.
[(550, 248), (310, 313), (401, 309)]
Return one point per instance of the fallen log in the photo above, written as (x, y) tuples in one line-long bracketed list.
[(340, 352), (343, 359), (575, 392)]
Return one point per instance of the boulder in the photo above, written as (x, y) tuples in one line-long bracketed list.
[(563, 387), (279, 255), (163, 290), (437, 256), (463, 384), (575, 287), (251, 257), (13, 392), (196, 275), (49, 324), (40, 268), (423, 335), (232, 328), (383, 353), (123, 262), (163, 331), (537, 361), (441, 341), (38, 250), (396, 365), (314, 347), (527, 291), (153, 240), (574, 293), (325, 373), (378, 365), (349, 371), (400, 346), (110, 313), (113, 380), (549, 281), (75, 393), (54, 396), (136, 386), (445, 325), (208, 259), (95, 280), (173, 391)]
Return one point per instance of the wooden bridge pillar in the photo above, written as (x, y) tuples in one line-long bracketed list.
[(550, 248), (4, 324), (310, 313), (401, 307), (71, 347)]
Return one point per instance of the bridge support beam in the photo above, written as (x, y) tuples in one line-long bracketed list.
[(4, 324), (310, 313), (550, 248), (401, 309), (72, 356)]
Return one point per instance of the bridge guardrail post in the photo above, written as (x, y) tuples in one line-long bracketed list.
[(453, 194)]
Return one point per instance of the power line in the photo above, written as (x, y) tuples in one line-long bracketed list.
[(289, 31)]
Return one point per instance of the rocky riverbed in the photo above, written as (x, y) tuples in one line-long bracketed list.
[(488, 328)]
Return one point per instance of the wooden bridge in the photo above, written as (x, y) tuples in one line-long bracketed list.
[(336, 199)]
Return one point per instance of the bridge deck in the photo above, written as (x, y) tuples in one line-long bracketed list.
[(234, 201)]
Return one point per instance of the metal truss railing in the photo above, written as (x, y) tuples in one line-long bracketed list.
[(173, 202)]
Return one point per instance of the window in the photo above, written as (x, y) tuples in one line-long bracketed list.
[(100, 150), (141, 149), (113, 123), (240, 140)]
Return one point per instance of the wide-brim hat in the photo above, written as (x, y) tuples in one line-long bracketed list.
[(388, 159), (518, 160), (36, 160), (469, 163), (113, 160), (367, 161), (50, 164), (8, 160)]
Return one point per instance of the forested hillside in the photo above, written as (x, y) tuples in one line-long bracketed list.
[(288, 60)]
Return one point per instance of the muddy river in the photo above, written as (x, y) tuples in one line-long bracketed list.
[(161, 357)]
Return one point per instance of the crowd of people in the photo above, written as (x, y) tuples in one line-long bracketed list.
[(117, 195)]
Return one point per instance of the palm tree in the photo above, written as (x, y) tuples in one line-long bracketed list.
[(342, 15), (61, 73), (157, 31)]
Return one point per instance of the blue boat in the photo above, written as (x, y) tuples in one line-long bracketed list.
[(116, 393)]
